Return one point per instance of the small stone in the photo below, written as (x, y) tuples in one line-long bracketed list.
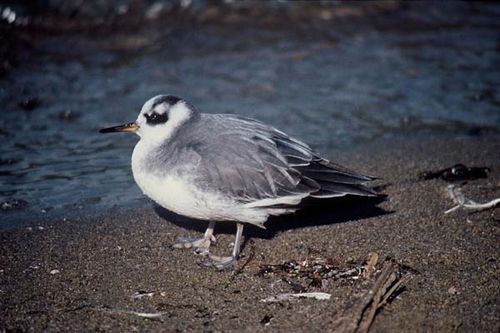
[(55, 271), (452, 291), (266, 321)]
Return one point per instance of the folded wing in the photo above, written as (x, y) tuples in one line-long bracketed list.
[(263, 167)]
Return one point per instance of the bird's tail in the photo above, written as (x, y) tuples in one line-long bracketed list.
[(337, 181)]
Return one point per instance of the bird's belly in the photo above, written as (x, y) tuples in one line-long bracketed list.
[(177, 195), (173, 194)]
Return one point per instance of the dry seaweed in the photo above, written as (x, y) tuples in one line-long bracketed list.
[(458, 172), (313, 272)]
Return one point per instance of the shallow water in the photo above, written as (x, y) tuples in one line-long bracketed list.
[(335, 91)]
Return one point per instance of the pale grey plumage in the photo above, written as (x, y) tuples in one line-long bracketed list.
[(226, 167), (248, 160)]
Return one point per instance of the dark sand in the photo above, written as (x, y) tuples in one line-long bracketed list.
[(99, 262)]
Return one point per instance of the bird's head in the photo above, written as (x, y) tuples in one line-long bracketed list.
[(158, 119)]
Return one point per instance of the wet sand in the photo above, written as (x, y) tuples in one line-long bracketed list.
[(96, 273)]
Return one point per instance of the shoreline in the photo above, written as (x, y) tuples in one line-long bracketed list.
[(96, 272)]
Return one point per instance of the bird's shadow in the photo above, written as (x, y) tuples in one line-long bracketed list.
[(324, 212)]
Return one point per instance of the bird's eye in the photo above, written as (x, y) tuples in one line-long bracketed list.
[(156, 118)]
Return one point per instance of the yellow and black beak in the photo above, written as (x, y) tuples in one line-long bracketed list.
[(131, 127)]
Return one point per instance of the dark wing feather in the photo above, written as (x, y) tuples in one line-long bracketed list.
[(334, 180)]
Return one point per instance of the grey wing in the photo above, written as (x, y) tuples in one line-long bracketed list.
[(242, 161), (251, 161)]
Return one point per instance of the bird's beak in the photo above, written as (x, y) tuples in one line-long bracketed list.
[(131, 127)]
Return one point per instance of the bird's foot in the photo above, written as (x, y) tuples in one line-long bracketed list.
[(201, 245), (221, 263)]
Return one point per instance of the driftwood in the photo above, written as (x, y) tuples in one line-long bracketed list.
[(360, 317), (457, 196), (370, 266), (149, 315)]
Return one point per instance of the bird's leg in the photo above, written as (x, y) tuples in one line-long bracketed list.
[(202, 245), (227, 262)]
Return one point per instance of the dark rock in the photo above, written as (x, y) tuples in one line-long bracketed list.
[(266, 320)]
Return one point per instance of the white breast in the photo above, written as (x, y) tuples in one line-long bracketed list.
[(169, 191)]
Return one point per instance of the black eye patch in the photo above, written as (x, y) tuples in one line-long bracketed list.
[(156, 118)]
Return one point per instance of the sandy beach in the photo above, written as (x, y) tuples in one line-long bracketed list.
[(117, 272)]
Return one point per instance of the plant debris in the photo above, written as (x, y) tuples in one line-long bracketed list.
[(370, 266), (458, 172), (457, 196), (149, 315), (140, 294), (360, 317), (313, 271), (290, 296)]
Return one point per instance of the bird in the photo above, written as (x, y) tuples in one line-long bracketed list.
[(225, 167)]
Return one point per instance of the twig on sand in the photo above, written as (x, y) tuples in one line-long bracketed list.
[(370, 266), (289, 296), (360, 317), (393, 289), (457, 196), (149, 315)]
